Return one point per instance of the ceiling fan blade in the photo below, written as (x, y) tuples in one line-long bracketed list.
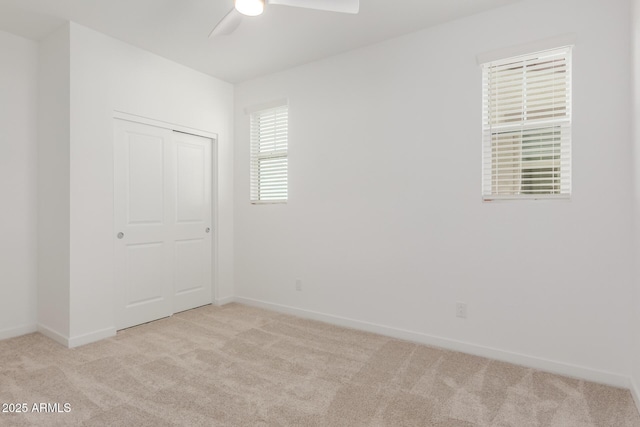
[(228, 24), (344, 6)]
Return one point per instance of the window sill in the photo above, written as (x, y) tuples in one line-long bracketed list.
[(269, 202), (501, 198)]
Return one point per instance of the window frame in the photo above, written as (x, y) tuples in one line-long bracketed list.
[(495, 128), (278, 138)]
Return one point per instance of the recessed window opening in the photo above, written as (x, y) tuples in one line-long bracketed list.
[(526, 112), (269, 155)]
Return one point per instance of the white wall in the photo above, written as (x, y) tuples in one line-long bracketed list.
[(108, 75), (18, 184), (53, 185), (635, 371), (385, 223)]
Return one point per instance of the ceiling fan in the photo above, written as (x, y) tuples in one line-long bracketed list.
[(230, 22)]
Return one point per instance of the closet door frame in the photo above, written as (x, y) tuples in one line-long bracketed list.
[(123, 116)]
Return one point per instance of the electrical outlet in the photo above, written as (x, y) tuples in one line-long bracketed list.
[(298, 285), (461, 310)]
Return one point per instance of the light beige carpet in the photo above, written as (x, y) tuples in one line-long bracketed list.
[(242, 366)]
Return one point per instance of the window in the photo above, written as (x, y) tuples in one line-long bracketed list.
[(526, 113), (269, 155)]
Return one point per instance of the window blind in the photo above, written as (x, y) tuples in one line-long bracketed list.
[(526, 113), (269, 154)]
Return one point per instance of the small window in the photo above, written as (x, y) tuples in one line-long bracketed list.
[(269, 155), (526, 113)]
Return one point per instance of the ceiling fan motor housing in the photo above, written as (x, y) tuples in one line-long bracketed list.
[(250, 7)]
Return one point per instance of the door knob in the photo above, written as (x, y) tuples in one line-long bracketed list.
[(207, 229), (120, 235)]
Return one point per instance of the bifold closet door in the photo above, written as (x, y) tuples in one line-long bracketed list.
[(162, 204)]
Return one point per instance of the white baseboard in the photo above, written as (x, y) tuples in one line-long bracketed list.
[(79, 340), (56, 336), (224, 300), (18, 331), (635, 392), (91, 337), (560, 368)]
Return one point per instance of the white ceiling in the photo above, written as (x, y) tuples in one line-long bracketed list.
[(281, 38)]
